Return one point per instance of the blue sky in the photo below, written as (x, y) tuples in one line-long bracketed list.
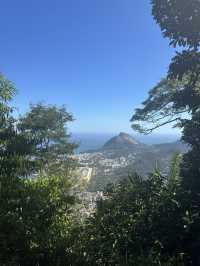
[(97, 57)]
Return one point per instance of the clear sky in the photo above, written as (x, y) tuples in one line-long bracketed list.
[(98, 57)]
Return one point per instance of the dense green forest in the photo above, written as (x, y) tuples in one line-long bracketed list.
[(138, 222)]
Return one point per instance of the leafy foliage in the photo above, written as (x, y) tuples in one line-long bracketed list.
[(179, 20), (161, 107), (46, 126), (139, 223), (36, 216), (7, 91), (180, 94), (36, 211), (14, 147)]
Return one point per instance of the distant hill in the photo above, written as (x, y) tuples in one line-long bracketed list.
[(126, 143), (121, 141), (178, 146)]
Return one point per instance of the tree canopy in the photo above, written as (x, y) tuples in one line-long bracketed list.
[(161, 107), (179, 92), (179, 21), (36, 211), (46, 126), (177, 99)]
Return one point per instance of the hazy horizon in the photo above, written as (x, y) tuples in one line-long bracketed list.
[(92, 141)]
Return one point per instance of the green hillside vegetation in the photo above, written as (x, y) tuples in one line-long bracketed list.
[(153, 221), (123, 155)]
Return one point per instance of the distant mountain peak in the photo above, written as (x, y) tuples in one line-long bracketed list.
[(123, 139), (128, 138), (123, 134)]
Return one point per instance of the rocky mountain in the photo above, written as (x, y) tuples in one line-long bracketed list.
[(122, 140)]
